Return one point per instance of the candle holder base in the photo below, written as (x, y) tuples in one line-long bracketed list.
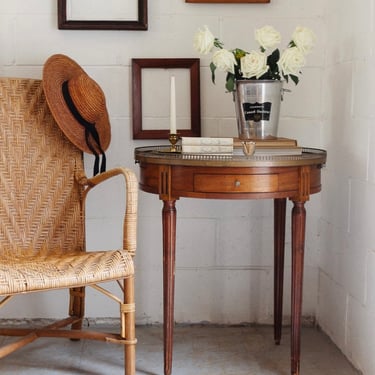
[(173, 139)]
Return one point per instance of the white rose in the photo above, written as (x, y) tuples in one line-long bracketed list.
[(203, 41), (291, 61), (267, 37), (254, 64), (224, 60), (304, 39)]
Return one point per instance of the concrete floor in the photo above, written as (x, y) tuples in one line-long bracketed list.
[(198, 350)]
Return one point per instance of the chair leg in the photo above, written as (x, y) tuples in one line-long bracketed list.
[(128, 326), (77, 306)]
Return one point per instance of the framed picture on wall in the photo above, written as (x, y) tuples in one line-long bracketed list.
[(151, 97), (102, 15), (227, 1)]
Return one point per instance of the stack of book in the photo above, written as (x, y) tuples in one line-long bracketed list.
[(272, 146), (229, 146), (207, 145)]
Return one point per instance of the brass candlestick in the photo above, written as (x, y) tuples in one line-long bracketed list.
[(173, 139)]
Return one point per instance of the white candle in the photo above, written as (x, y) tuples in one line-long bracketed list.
[(172, 116)]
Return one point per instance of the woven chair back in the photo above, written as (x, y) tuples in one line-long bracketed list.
[(40, 198)]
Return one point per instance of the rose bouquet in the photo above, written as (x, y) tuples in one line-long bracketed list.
[(256, 65)]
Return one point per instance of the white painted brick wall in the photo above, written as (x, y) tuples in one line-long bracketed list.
[(218, 279), (235, 250), (346, 285)]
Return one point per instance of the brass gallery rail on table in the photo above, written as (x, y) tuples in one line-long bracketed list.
[(176, 175)]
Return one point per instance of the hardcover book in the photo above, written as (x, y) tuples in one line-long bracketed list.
[(269, 142)]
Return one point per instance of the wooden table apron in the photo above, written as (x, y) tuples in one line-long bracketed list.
[(174, 175)]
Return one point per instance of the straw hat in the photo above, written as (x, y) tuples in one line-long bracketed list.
[(77, 103)]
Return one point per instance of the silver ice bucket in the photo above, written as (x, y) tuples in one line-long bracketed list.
[(257, 104)]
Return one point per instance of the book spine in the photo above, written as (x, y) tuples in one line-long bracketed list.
[(278, 150), (206, 141), (278, 142), (206, 149)]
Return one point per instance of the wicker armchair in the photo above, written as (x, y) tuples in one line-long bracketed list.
[(43, 189)]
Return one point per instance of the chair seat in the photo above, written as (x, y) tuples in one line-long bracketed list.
[(54, 271)]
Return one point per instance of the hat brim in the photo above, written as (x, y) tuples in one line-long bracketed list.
[(57, 70)]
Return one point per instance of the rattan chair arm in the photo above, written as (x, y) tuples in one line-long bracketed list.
[(131, 205)]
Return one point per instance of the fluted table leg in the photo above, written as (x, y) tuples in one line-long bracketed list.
[(169, 260), (279, 251), (298, 247)]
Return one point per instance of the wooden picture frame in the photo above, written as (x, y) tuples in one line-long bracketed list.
[(193, 66), (228, 1), (140, 23)]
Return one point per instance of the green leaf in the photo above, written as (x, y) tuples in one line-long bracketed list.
[(237, 72), (230, 82), (273, 58), (294, 78), (213, 68), (218, 43), (238, 54)]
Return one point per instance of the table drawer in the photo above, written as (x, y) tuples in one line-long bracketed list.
[(211, 183)]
